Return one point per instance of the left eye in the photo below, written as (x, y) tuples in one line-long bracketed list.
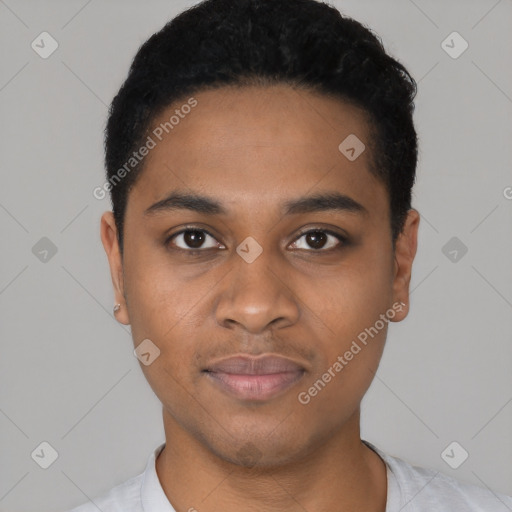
[(319, 240)]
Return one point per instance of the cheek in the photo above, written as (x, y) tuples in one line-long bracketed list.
[(167, 308), (337, 386), (352, 298), (351, 312), (155, 298)]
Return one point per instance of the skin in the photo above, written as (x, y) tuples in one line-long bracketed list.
[(252, 149)]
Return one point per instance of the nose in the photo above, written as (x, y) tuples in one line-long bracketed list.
[(256, 296)]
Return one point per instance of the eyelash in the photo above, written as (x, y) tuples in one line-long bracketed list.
[(342, 239)]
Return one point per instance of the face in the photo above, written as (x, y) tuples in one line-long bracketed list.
[(258, 260)]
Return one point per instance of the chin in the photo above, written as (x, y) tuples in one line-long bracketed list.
[(258, 450)]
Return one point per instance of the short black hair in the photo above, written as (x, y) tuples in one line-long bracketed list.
[(306, 44)]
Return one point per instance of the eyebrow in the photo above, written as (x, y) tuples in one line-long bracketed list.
[(332, 201)]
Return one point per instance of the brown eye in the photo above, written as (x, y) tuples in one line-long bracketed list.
[(316, 239), (319, 239), (193, 239)]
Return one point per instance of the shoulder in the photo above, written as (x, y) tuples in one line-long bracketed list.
[(124, 497), (426, 489)]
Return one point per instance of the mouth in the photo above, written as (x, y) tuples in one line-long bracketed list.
[(254, 378)]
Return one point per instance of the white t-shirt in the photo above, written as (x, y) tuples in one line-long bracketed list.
[(410, 489)]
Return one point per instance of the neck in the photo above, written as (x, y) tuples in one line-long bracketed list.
[(341, 473)]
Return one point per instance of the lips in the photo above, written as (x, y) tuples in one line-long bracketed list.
[(254, 378), (262, 365)]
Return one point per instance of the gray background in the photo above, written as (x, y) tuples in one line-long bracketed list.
[(67, 371)]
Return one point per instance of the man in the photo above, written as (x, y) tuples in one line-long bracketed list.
[(260, 158)]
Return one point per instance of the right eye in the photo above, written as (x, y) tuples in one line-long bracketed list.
[(192, 240)]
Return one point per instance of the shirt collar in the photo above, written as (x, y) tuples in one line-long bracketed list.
[(394, 493), (152, 495), (153, 498)]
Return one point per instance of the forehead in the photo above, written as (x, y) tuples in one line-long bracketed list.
[(259, 144)]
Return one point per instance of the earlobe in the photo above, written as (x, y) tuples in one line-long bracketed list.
[(405, 251), (108, 232)]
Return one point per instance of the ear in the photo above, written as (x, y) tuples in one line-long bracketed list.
[(110, 242), (405, 251)]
